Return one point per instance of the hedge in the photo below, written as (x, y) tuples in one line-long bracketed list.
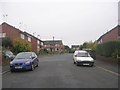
[(109, 49)]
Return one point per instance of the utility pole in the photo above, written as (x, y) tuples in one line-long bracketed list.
[(53, 38)]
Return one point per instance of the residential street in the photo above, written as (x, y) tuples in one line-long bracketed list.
[(58, 71)]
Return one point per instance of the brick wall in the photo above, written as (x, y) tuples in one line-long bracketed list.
[(111, 36), (14, 33)]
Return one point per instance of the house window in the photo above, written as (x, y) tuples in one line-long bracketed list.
[(29, 39), (38, 41), (38, 48), (48, 49), (45, 45), (22, 36), (56, 49), (101, 41), (2, 35), (118, 31), (41, 43)]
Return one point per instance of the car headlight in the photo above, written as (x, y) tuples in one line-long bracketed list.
[(79, 60), (92, 60), (28, 62), (11, 62)]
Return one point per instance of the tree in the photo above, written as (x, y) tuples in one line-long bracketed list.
[(90, 44), (67, 49)]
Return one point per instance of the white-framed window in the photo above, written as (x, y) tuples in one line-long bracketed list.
[(41, 43), (101, 41), (56, 49), (22, 36), (29, 39), (45, 45), (48, 49), (38, 42), (2, 35), (56, 45), (38, 48)]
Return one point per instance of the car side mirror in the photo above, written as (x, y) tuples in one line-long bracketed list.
[(75, 55), (33, 57)]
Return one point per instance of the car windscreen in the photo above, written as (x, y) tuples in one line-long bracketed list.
[(9, 52), (23, 56), (83, 55)]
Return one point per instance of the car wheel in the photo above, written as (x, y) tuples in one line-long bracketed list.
[(91, 65), (11, 70), (77, 64), (74, 62), (32, 67), (37, 65)]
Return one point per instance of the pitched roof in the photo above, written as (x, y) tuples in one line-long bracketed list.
[(52, 42), (118, 26), (25, 33), (75, 46), (31, 36), (4, 23)]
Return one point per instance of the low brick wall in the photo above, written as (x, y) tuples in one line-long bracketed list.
[(108, 59), (0, 60), (5, 64)]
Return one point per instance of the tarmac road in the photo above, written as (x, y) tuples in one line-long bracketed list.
[(58, 71)]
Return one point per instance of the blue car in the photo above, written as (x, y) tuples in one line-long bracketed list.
[(24, 61)]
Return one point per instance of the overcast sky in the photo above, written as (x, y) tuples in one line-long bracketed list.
[(73, 21)]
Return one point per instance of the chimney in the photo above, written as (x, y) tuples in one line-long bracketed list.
[(53, 38)]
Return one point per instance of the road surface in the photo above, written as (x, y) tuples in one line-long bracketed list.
[(58, 71)]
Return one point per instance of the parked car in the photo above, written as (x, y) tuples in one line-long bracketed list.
[(24, 61), (82, 57), (8, 54), (91, 52)]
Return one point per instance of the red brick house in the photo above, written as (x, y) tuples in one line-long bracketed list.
[(36, 43), (112, 35), (53, 46), (75, 47), (15, 33)]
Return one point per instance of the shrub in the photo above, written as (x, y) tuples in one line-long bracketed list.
[(109, 49), (43, 51), (20, 46), (6, 42)]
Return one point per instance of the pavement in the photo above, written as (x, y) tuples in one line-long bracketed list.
[(58, 71)]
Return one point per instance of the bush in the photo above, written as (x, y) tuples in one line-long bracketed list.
[(43, 51), (109, 49), (6, 42), (20, 46)]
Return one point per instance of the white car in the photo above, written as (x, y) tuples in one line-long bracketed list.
[(82, 57)]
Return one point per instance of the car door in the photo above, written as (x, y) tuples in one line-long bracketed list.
[(75, 56), (35, 59)]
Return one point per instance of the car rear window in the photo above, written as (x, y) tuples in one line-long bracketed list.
[(83, 55)]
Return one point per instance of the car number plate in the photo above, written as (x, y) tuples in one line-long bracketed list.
[(85, 64), (18, 67)]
